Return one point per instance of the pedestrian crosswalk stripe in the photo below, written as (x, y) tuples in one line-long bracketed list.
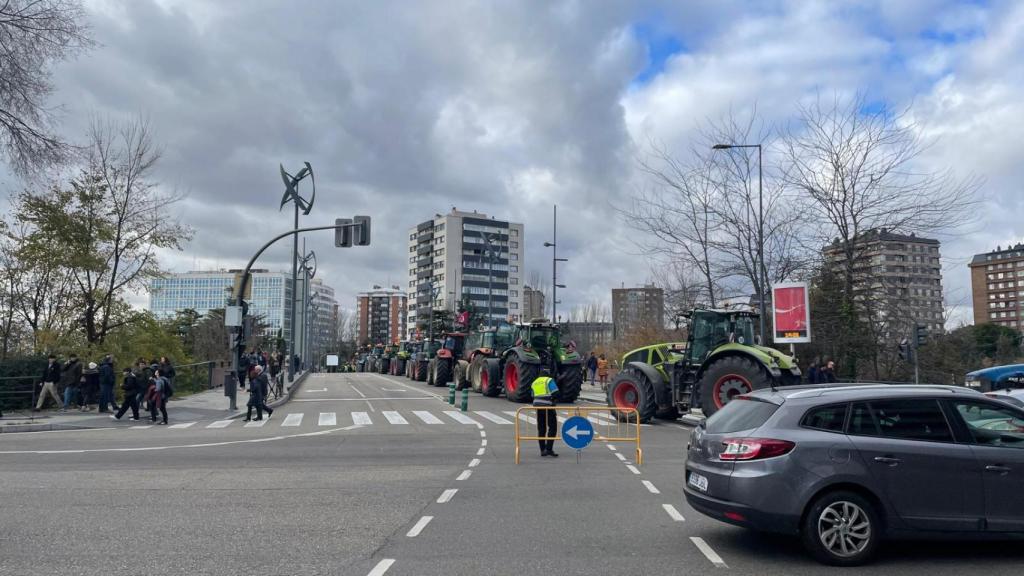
[(292, 419), (394, 417), (522, 417), (182, 425), (492, 417), (427, 417), (361, 418), (459, 417), (256, 423), (328, 419), (220, 424), (142, 427)]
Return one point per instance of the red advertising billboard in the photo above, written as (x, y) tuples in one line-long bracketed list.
[(791, 312)]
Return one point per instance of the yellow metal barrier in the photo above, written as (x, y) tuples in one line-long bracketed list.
[(610, 424)]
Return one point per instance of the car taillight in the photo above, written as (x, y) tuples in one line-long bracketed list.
[(754, 448)]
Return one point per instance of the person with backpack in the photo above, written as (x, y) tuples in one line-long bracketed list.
[(130, 386), (161, 392), (167, 369)]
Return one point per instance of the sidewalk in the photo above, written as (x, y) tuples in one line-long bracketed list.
[(199, 406)]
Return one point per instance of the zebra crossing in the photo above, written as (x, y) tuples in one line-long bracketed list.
[(384, 418)]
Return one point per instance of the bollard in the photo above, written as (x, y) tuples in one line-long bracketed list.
[(451, 393), (465, 400)]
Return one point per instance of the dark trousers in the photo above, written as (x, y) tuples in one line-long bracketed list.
[(107, 397), (547, 425), (256, 400), (154, 405), (130, 401)]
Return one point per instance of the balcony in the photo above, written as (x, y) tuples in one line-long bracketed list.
[(424, 274), (426, 261), (424, 249)]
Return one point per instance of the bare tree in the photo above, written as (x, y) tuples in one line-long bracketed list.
[(110, 222), (34, 34), (682, 291)]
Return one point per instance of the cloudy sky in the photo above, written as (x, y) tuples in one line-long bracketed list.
[(406, 109)]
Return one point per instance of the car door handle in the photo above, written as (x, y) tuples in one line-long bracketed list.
[(998, 469), (887, 460)]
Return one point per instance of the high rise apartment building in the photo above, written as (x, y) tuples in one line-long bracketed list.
[(997, 287), (533, 303), (381, 315), (449, 260), (899, 275), (634, 308)]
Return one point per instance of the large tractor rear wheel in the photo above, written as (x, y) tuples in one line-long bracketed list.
[(442, 371), (400, 366), (490, 378), (631, 389), (419, 371), (570, 383), (727, 378), (517, 379)]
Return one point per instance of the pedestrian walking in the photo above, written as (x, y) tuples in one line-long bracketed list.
[(161, 392), (107, 378), (602, 370), (544, 389), (131, 388), (70, 379), (258, 395), (50, 379), (828, 373), (592, 368), (90, 386), (275, 371), (814, 372), (243, 370)]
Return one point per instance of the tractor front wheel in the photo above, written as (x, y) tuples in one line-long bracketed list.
[(727, 378), (518, 378), (476, 370), (442, 372), (460, 375), (490, 378), (631, 389)]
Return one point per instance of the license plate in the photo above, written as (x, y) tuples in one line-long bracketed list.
[(699, 482)]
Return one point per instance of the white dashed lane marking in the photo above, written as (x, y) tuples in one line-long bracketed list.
[(708, 552), (633, 469), (465, 474), (419, 526), (447, 495), (382, 567), (651, 487), (673, 513)]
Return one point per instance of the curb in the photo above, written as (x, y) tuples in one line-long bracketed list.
[(12, 428)]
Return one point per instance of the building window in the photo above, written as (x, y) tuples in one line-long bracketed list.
[(514, 305), (513, 269), (513, 281), (514, 232)]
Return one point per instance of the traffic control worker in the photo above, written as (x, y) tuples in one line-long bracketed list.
[(544, 389)]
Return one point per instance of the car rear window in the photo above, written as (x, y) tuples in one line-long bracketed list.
[(831, 418), (740, 414)]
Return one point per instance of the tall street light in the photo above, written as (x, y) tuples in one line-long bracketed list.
[(489, 241), (763, 273), (291, 194), (554, 265)]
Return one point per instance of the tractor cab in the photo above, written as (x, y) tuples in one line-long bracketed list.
[(709, 329), (453, 343)]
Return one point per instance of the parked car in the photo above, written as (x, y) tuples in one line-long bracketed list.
[(844, 467)]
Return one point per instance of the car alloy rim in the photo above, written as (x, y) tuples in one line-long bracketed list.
[(844, 529)]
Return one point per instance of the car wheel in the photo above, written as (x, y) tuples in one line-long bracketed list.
[(841, 529)]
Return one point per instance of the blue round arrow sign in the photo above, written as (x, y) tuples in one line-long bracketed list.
[(577, 432)]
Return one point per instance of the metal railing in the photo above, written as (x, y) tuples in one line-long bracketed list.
[(18, 393), (610, 424)]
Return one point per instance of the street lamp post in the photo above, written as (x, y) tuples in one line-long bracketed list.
[(763, 272), (554, 265), (291, 194), (434, 289), (489, 240)]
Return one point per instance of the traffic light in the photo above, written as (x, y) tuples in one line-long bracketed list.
[(921, 334), (352, 231), (343, 235), (361, 234), (904, 350)]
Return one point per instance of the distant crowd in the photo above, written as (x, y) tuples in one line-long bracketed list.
[(73, 385)]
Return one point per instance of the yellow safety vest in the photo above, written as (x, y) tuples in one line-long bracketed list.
[(543, 387)]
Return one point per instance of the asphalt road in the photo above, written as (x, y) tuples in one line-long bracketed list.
[(365, 474)]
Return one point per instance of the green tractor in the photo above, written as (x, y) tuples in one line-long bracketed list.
[(420, 362), (538, 345), (481, 346), (400, 359), (717, 362)]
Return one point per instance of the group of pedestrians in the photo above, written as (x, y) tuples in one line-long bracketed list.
[(72, 385), (597, 369), (821, 374)]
